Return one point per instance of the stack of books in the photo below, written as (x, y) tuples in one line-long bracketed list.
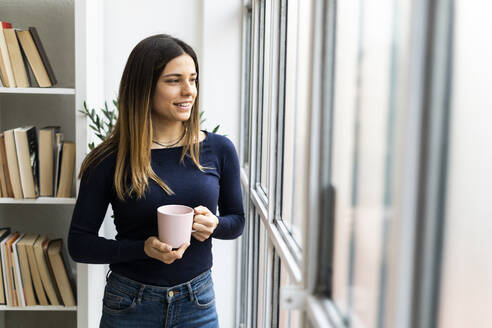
[(23, 61), (30, 169), (33, 271)]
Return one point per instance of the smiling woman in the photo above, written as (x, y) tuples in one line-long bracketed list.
[(152, 158), (174, 95)]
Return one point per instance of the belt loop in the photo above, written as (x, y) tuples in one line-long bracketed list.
[(140, 294), (190, 291), (107, 274)]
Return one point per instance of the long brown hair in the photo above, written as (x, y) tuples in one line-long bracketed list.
[(131, 138)]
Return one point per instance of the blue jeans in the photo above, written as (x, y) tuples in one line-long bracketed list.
[(128, 303)]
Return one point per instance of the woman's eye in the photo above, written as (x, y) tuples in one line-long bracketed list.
[(173, 81)]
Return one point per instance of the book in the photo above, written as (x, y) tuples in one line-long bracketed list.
[(12, 292), (27, 155), (44, 56), (44, 272), (27, 281), (47, 155), (67, 170), (50, 270), (5, 177), (58, 152), (31, 80), (35, 274), (16, 60), (4, 232), (60, 272), (5, 269), (36, 57), (12, 163), (6, 71), (19, 288)]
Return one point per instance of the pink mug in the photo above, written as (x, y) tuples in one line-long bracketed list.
[(175, 223)]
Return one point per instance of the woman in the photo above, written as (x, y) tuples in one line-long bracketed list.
[(157, 155)]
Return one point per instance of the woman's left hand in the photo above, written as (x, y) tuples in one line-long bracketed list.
[(204, 223)]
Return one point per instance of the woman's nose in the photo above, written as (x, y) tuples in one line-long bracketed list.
[(187, 88)]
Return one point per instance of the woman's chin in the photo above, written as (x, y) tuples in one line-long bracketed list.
[(183, 117)]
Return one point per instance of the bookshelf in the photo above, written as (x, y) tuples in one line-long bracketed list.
[(62, 27), (39, 91), (38, 308), (40, 200)]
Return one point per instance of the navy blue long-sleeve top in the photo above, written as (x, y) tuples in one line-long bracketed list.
[(136, 219)]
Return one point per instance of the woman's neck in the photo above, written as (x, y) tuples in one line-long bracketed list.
[(167, 132)]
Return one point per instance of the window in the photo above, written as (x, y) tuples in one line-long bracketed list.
[(364, 164), (262, 109), (246, 86), (293, 116), (278, 127), (465, 284)]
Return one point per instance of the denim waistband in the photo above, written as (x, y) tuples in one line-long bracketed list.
[(158, 293)]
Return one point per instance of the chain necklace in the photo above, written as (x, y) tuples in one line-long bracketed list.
[(172, 143)]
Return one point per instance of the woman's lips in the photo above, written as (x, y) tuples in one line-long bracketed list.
[(183, 106)]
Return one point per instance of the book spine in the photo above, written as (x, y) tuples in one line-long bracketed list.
[(42, 54), (7, 65), (13, 164), (32, 140)]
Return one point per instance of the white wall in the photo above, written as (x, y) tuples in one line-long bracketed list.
[(213, 29), (220, 62)]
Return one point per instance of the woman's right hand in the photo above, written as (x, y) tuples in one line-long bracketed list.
[(163, 252)]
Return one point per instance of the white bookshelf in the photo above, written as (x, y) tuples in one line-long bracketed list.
[(38, 308), (40, 200), (62, 27), (39, 91)]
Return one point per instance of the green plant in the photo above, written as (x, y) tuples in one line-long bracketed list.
[(102, 127), (204, 119)]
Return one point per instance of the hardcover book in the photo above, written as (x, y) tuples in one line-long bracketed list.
[(26, 142)]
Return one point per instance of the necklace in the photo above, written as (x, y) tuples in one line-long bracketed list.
[(172, 143)]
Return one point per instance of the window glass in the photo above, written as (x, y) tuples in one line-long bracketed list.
[(246, 88), (262, 277), (282, 43), (295, 135), (245, 253), (262, 128), (465, 293), (360, 163)]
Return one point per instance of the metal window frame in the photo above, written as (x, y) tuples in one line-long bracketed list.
[(279, 130), (318, 253), (259, 9), (246, 64), (248, 314), (435, 131)]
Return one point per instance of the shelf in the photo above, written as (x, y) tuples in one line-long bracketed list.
[(38, 308), (40, 200), (44, 91)]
